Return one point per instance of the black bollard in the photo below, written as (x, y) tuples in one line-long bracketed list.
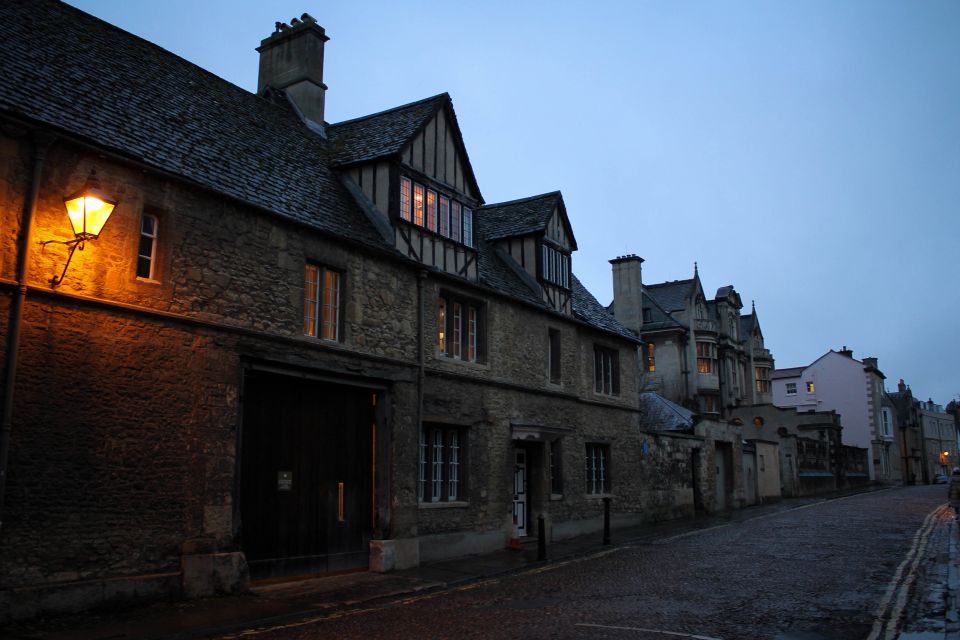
[(606, 521)]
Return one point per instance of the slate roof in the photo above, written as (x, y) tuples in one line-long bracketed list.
[(103, 85), (98, 84), (792, 372), (382, 134), (660, 414), (670, 296), (659, 318), (586, 308), (521, 217)]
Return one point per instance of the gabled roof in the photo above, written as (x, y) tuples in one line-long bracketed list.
[(524, 216), (99, 84), (386, 133), (670, 296)]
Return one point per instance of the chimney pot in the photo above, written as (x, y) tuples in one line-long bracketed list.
[(291, 60)]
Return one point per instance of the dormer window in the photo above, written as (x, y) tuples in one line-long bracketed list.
[(555, 266), (435, 212)]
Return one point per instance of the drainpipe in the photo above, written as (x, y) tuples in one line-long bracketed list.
[(41, 143), (421, 279)]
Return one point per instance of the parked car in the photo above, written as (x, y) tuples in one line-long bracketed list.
[(940, 479)]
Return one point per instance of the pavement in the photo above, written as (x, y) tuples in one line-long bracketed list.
[(277, 603)]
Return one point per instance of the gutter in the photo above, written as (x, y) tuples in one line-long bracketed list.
[(41, 143)]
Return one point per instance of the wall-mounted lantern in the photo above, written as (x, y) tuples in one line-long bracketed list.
[(88, 210)]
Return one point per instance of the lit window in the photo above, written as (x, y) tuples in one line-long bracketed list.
[(762, 379), (706, 357), (651, 357), (442, 463), (418, 204), (460, 329), (597, 468), (431, 210), (791, 388), (711, 404), (405, 199), (147, 255), (606, 371), (809, 386), (321, 303)]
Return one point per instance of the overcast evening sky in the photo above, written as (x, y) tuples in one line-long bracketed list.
[(806, 153)]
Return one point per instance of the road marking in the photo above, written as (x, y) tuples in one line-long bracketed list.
[(899, 585), (675, 634)]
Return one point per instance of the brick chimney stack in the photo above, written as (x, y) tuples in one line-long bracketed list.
[(291, 60), (628, 291)]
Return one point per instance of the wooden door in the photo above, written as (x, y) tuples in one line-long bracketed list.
[(306, 475), (520, 491)]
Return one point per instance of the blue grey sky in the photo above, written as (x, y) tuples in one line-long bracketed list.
[(806, 153)]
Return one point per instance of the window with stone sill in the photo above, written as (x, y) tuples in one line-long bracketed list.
[(321, 302), (147, 252), (461, 328), (706, 357), (597, 468), (442, 468), (606, 371), (762, 377)]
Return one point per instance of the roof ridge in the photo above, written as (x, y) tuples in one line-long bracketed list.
[(391, 110), (519, 200), (669, 282)]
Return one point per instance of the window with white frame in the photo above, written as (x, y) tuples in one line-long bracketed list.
[(442, 469), (791, 388), (147, 253), (438, 213), (606, 371), (460, 328), (886, 422), (321, 302), (555, 266), (597, 468)]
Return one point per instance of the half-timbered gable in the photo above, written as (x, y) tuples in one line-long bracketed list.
[(536, 234), (411, 166)]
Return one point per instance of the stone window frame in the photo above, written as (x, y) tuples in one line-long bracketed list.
[(762, 379), (596, 469), (706, 357), (442, 476), (606, 370), (150, 260), (461, 328), (314, 305)]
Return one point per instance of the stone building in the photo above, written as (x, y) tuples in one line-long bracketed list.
[(695, 352), (295, 346)]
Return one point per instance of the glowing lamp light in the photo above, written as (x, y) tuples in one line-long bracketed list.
[(88, 210)]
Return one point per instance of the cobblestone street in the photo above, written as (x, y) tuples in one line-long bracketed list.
[(841, 569)]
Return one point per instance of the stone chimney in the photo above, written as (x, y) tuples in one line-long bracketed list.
[(846, 352), (870, 362), (628, 291), (901, 387), (291, 60)]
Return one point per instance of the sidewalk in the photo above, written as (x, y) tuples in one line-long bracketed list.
[(289, 601)]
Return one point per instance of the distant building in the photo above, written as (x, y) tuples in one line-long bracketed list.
[(853, 389)]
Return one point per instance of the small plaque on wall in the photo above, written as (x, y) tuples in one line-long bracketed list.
[(284, 480)]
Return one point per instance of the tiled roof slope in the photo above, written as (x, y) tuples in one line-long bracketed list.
[(792, 372), (660, 414), (658, 318), (381, 134), (518, 217), (586, 308), (670, 296), (101, 84)]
